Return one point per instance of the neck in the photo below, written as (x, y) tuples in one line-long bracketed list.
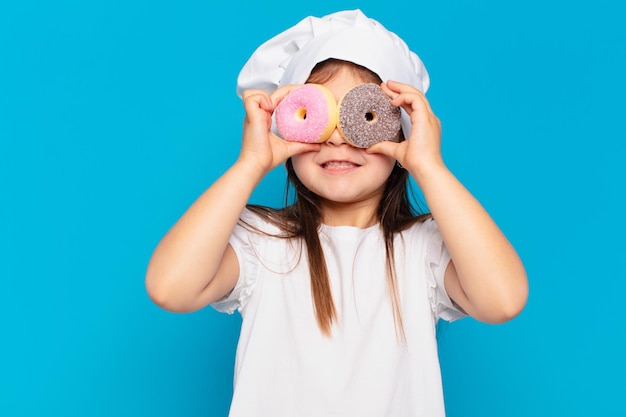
[(360, 215)]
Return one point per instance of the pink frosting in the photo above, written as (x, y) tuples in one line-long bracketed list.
[(294, 128)]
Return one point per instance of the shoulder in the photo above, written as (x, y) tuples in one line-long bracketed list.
[(263, 230), (259, 219), (423, 237), (422, 228)]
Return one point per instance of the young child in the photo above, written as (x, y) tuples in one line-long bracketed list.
[(339, 291)]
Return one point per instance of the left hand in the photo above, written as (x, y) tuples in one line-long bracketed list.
[(422, 148)]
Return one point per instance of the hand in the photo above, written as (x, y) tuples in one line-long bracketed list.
[(260, 145), (422, 148)]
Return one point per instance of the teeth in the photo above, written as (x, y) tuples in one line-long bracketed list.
[(339, 164)]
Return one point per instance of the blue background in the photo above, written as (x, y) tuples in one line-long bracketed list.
[(116, 115)]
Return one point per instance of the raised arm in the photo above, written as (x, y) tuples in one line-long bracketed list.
[(193, 265), (486, 276)]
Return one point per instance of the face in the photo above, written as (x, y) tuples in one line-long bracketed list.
[(343, 176)]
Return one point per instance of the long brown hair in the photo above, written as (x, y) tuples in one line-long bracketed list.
[(302, 217)]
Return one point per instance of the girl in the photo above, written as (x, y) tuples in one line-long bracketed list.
[(341, 290)]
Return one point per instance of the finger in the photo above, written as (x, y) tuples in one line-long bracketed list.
[(253, 92), (259, 98), (414, 103), (285, 150), (258, 108), (280, 93), (295, 148), (385, 147), (396, 87), (392, 93), (406, 96), (255, 99)]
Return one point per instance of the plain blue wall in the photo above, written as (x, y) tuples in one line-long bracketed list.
[(116, 115)]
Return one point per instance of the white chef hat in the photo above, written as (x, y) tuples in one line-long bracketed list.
[(289, 57)]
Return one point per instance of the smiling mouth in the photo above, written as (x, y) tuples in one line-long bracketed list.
[(339, 165)]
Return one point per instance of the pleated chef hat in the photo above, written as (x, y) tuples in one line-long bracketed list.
[(289, 57)]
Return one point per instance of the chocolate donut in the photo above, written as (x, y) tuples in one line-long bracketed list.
[(366, 116)]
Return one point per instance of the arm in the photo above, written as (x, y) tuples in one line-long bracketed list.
[(486, 277), (194, 265)]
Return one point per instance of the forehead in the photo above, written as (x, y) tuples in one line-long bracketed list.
[(342, 82), (325, 70)]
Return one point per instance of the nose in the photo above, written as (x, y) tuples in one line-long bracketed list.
[(336, 139)]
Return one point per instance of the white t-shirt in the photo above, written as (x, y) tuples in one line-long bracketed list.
[(286, 367)]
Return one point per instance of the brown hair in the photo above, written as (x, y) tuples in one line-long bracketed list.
[(301, 218)]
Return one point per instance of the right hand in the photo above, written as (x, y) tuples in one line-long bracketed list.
[(260, 146)]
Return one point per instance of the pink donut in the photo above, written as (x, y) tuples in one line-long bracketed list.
[(307, 114)]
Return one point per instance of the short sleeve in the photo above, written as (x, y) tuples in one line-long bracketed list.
[(243, 242), (437, 259)]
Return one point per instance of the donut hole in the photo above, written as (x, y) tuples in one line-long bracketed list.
[(371, 117), (301, 114)]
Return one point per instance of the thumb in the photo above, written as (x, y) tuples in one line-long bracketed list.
[(385, 147), (295, 148)]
